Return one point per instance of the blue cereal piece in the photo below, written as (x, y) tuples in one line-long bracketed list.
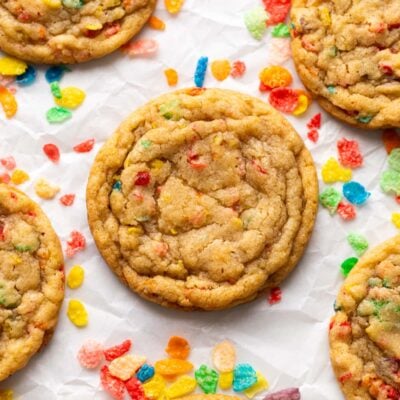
[(55, 73), (355, 193), (27, 78), (244, 377), (145, 373), (200, 72)]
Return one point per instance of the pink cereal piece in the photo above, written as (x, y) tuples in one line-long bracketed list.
[(76, 243), (113, 386), (238, 69), (346, 211), (8, 162), (141, 47), (90, 354), (279, 51), (5, 178)]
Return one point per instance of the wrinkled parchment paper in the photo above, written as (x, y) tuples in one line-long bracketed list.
[(287, 341)]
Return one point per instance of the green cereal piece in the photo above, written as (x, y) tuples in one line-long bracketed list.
[(331, 89), (207, 379), (330, 199), (394, 160), (117, 186), (23, 248), (255, 21), (170, 110), (280, 31), (390, 181), (58, 114), (365, 119), (348, 264), (55, 89), (73, 3), (9, 297), (358, 243), (146, 143), (333, 51)]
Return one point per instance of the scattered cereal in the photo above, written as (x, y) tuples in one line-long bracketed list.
[(71, 97), (284, 99), (346, 211), (313, 135), (255, 21), (55, 89), (200, 72), (75, 277), (67, 199), (27, 78), (76, 243), (55, 73), (117, 351), (207, 379), (396, 219), (277, 10), (12, 66), (52, 152), (135, 389), (349, 153), (347, 265), (225, 380), (85, 146), (8, 162), (355, 193), (285, 394), (332, 172), (224, 356), (156, 23), (279, 51), (178, 347), (244, 377), (172, 76), (140, 47), (391, 139), (275, 76), (275, 295), (172, 366), (183, 386), (124, 367), (315, 122), (58, 114), (19, 176), (113, 386), (394, 160), (281, 31), (221, 69), (173, 6), (390, 182), (155, 387), (302, 105), (90, 354), (77, 313), (145, 373), (5, 178), (8, 102), (238, 69), (358, 243), (46, 190), (261, 385)]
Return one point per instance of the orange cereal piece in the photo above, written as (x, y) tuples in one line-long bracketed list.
[(221, 69), (275, 76), (8, 102), (224, 356), (156, 23), (173, 6), (172, 366), (391, 139), (172, 76), (178, 347)]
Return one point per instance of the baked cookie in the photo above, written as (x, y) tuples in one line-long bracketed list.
[(347, 54), (31, 279), (365, 332), (210, 397), (202, 198), (69, 31)]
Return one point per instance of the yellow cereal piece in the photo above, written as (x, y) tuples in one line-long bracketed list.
[(12, 66), (16, 260), (325, 16), (71, 97), (135, 230), (111, 3), (6, 394), (154, 388), (53, 3), (94, 26), (172, 76), (302, 105), (261, 385), (396, 219), (183, 386), (75, 277), (221, 69), (332, 172), (167, 199), (157, 164), (77, 313), (45, 189), (217, 140), (19, 176), (225, 380), (237, 223), (125, 367), (173, 231)]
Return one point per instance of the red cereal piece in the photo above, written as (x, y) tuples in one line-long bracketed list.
[(275, 295), (263, 88), (135, 389), (67, 200), (346, 211), (52, 152), (142, 178), (118, 350), (5, 178), (345, 377), (8, 162), (238, 69), (90, 354), (349, 153), (315, 122), (112, 29), (194, 160), (313, 135), (76, 243), (85, 146), (277, 10), (397, 198), (391, 139), (284, 99), (113, 386)]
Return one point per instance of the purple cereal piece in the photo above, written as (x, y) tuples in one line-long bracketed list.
[(285, 394)]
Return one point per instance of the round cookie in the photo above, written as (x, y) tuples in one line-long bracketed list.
[(347, 55), (31, 279), (69, 31), (202, 198), (365, 331)]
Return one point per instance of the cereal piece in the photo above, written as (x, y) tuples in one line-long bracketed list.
[(302, 105), (173, 6), (333, 172), (5, 178), (255, 21), (55, 89), (90, 355), (396, 219), (200, 72), (58, 114), (19, 176), (348, 264), (391, 139), (346, 211), (76, 243), (140, 47), (71, 97), (27, 78), (52, 152), (238, 69), (285, 394), (390, 182), (8, 162), (261, 385), (225, 380), (281, 31), (221, 69), (330, 199), (85, 146), (349, 153), (155, 387), (46, 190), (6, 394), (145, 373), (275, 296), (135, 389), (183, 386), (207, 379), (224, 356), (394, 160), (315, 122), (279, 51), (56, 4), (8, 102), (117, 351), (358, 243), (113, 386), (12, 66), (77, 313), (284, 99), (67, 200), (172, 366), (55, 73), (156, 23), (275, 76), (172, 76), (355, 193), (75, 277), (277, 10), (178, 347), (244, 377), (313, 135), (124, 367)]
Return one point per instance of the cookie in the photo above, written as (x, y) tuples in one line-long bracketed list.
[(347, 55), (31, 279), (210, 397), (365, 331), (202, 198), (69, 31)]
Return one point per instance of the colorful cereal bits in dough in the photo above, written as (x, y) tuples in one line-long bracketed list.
[(332, 172), (75, 277), (77, 313)]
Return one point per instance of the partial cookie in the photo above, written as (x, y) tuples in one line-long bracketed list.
[(69, 31), (347, 55), (365, 331), (210, 397), (31, 279), (202, 198)]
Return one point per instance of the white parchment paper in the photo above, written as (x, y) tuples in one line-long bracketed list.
[(287, 341)]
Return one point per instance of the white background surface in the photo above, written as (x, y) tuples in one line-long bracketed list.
[(287, 341)]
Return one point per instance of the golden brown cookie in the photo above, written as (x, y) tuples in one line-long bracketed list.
[(31, 279), (347, 55), (69, 31), (365, 331), (202, 198)]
